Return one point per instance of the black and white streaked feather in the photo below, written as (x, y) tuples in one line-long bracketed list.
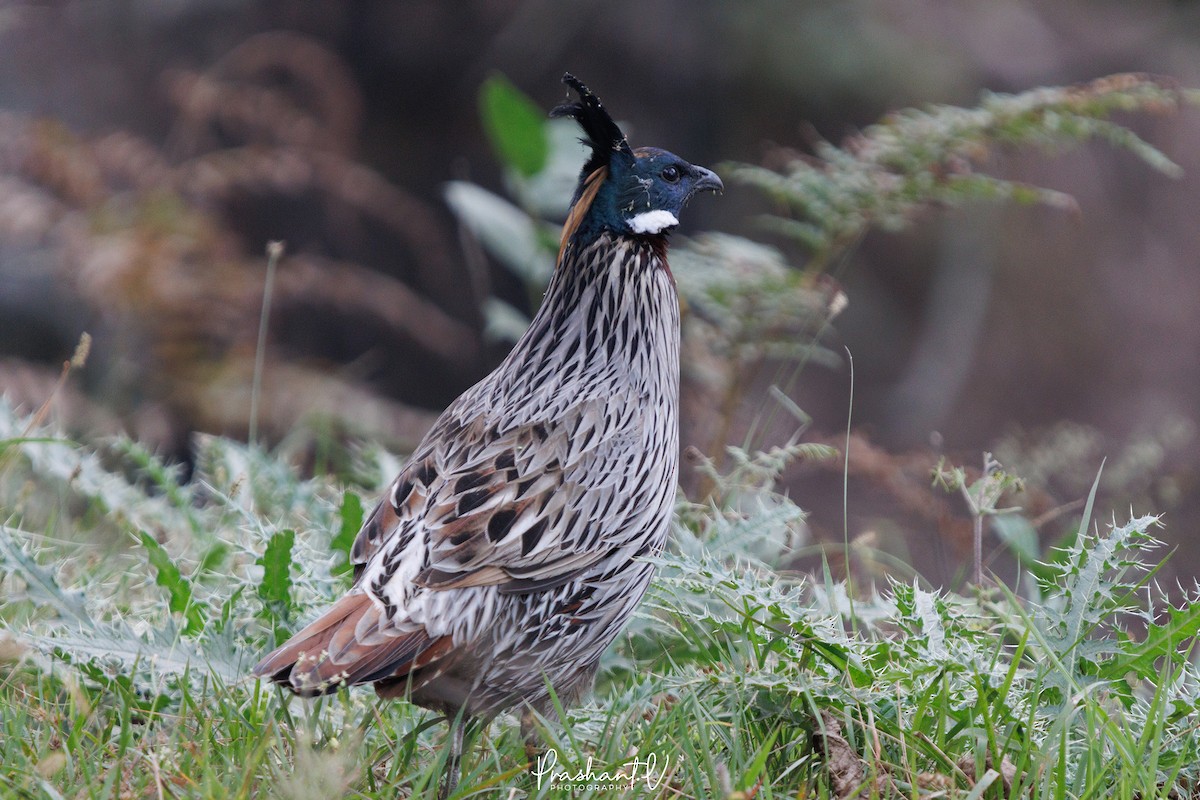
[(507, 553)]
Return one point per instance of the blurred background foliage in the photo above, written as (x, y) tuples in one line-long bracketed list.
[(149, 151)]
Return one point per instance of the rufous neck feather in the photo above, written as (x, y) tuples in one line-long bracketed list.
[(591, 186)]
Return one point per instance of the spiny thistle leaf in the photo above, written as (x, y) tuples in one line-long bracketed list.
[(41, 587), (275, 589), (119, 647), (1094, 588), (351, 515), (213, 558), (179, 588)]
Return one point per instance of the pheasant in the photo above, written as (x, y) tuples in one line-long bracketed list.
[(509, 552)]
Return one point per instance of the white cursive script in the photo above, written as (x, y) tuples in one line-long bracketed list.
[(644, 769)]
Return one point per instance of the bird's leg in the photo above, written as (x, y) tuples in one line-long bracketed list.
[(458, 725), (529, 733)]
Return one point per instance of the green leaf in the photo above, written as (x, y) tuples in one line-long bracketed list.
[(351, 514), (1086, 521), (276, 561), (515, 125), (507, 232), (503, 322), (179, 589), (1019, 535)]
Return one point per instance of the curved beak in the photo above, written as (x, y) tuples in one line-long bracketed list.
[(706, 180)]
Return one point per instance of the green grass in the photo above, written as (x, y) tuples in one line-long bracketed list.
[(136, 603)]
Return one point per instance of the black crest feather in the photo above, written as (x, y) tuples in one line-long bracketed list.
[(603, 135)]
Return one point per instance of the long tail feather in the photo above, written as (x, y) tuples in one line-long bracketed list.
[(343, 646)]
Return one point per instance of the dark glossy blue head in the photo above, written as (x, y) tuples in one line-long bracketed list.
[(628, 192)]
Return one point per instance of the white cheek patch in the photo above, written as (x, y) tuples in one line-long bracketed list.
[(652, 221)]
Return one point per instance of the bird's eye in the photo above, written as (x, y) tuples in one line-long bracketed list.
[(670, 174)]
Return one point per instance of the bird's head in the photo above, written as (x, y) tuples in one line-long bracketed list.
[(626, 191)]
